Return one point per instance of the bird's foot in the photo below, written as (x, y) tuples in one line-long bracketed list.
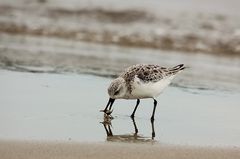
[(153, 135)]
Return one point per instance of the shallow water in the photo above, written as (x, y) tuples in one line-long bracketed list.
[(54, 55), (62, 107), (50, 51)]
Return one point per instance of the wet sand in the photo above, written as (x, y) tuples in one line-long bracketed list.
[(71, 150), (65, 107)]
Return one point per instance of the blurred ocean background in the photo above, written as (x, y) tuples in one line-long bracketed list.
[(102, 37)]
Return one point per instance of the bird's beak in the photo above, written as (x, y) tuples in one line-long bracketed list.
[(110, 103), (111, 100)]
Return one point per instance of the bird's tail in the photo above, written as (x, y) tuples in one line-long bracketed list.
[(177, 68)]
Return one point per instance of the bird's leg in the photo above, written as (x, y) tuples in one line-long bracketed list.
[(133, 113), (153, 130), (135, 126), (154, 108)]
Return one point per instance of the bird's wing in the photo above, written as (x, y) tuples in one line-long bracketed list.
[(150, 73), (146, 73)]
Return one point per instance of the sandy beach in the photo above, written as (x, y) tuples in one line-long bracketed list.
[(71, 150)]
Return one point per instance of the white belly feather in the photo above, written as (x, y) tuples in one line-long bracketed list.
[(150, 89)]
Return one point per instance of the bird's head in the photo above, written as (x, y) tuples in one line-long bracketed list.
[(117, 88)]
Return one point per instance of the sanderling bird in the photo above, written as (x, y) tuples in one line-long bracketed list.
[(141, 81)]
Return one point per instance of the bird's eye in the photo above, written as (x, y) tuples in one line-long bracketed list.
[(116, 93)]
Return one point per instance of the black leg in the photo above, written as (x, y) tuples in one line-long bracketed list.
[(135, 126), (154, 108), (153, 130), (133, 113)]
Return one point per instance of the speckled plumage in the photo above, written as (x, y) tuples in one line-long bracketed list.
[(148, 73)]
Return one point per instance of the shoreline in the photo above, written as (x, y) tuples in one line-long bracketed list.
[(58, 150), (88, 58)]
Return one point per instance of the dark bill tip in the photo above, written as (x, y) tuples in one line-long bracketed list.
[(110, 102)]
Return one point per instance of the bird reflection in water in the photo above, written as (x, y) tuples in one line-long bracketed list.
[(133, 137)]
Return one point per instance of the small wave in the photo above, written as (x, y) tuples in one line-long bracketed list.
[(127, 27), (189, 42), (100, 14)]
